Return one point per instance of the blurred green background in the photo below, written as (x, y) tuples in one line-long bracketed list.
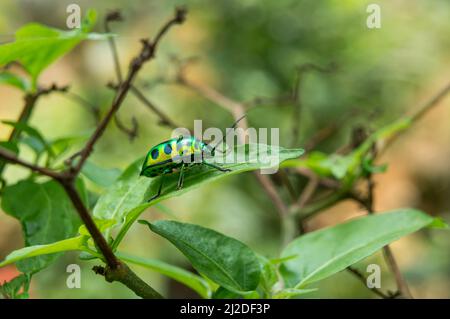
[(250, 49)]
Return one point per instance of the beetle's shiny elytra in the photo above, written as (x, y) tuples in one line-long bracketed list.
[(172, 154)]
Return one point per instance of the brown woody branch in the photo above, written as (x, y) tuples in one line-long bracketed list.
[(12, 158), (423, 110), (117, 271), (163, 118), (30, 102), (375, 290), (295, 97), (367, 203), (126, 276), (132, 132)]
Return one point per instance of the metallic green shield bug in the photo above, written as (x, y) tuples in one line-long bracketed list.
[(176, 155)]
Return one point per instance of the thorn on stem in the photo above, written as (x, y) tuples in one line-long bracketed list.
[(113, 16), (180, 14)]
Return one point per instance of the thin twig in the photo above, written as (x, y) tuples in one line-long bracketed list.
[(431, 103), (308, 192), (287, 183), (305, 196), (112, 17), (368, 203), (93, 109), (402, 286), (132, 132), (163, 118), (363, 279), (320, 205), (237, 110), (271, 191), (12, 158)]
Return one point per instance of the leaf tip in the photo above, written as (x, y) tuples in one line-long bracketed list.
[(438, 223)]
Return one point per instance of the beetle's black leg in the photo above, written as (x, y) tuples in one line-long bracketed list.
[(216, 167), (181, 177), (159, 189)]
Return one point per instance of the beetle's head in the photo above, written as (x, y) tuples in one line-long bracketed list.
[(209, 151)]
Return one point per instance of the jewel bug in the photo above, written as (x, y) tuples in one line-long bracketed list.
[(177, 154)]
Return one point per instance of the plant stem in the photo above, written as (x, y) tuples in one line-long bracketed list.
[(363, 279), (99, 239), (368, 203), (402, 286), (12, 158), (127, 277)]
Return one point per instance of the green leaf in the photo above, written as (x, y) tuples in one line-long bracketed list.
[(101, 176), (46, 215), (17, 288), (37, 46), (224, 260), (124, 195), (75, 243), (292, 293), (130, 218), (15, 81), (438, 223), (327, 251), (126, 199), (196, 283), (223, 293), (269, 275)]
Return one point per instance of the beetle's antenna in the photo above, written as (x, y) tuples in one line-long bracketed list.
[(229, 131)]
